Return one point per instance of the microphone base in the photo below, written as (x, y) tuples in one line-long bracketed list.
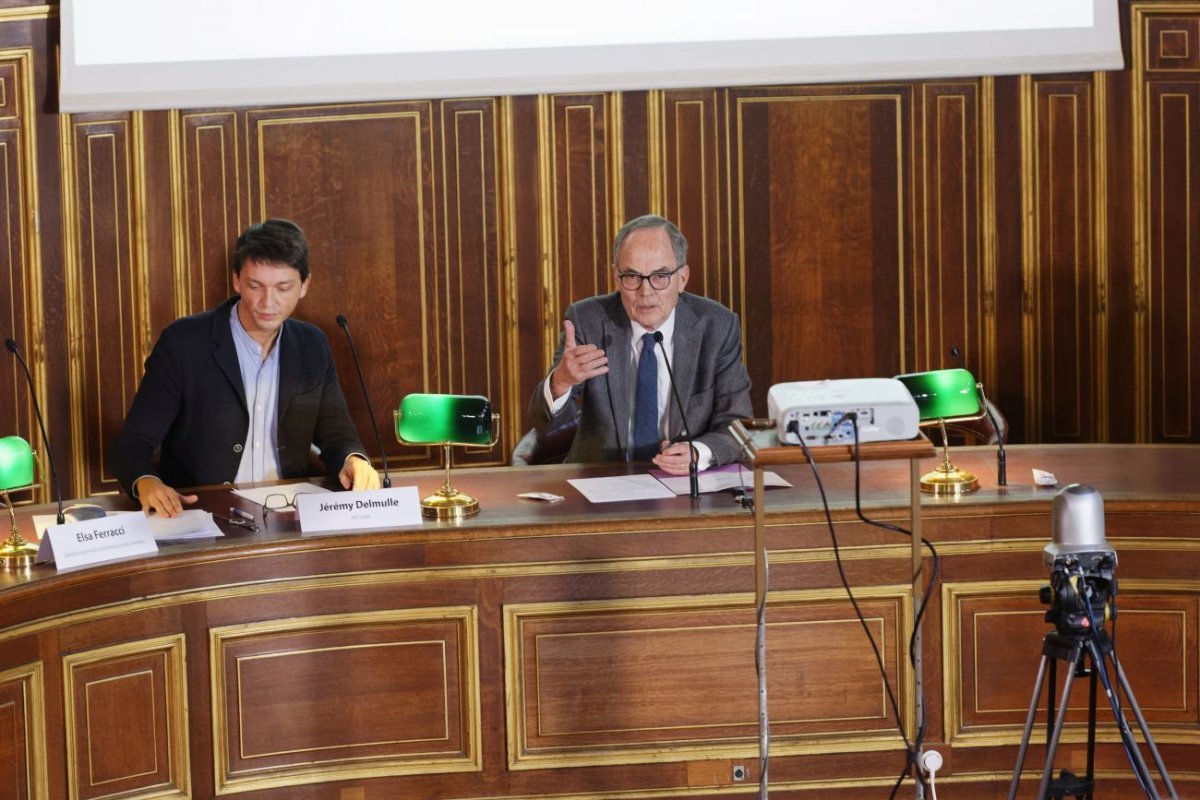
[(83, 511)]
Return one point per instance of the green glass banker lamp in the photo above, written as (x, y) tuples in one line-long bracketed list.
[(446, 420), (946, 396), (16, 474)]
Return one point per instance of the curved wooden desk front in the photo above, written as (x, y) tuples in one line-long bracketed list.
[(591, 651)]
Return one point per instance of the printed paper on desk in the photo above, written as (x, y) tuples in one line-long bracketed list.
[(621, 487), (191, 523), (717, 479), (94, 541), (346, 512)]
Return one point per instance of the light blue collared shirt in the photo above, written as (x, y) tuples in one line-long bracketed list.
[(260, 377)]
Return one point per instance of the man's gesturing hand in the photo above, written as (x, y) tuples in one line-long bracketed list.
[(578, 363)]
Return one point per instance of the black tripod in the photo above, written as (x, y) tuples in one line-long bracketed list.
[(1076, 648)]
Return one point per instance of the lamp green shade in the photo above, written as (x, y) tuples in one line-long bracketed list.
[(16, 463), (444, 419), (943, 394), (16, 472)]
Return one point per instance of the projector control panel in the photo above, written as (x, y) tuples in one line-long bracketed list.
[(821, 411)]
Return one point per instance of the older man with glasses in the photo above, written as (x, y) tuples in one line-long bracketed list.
[(617, 352)]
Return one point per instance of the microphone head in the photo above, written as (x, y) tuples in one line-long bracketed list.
[(341, 321), (658, 337), (11, 344), (954, 350)]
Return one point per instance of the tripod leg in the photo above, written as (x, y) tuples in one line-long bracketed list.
[(1131, 747), (1141, 720), (1060, 718), (1037, 692)]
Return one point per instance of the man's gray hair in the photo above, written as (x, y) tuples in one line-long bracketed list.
[(678, 242)]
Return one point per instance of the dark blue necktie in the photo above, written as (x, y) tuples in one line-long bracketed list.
[(645, 403)]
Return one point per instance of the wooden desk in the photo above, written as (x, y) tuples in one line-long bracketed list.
[(587, 651)]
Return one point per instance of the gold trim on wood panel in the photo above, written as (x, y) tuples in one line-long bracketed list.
[(349, 769), (551, 287), (1141, 216), (27, 204), (1010, 734), (988, 237), (507, 239), (179, 220), (28, 13), (614, 141), (33, 712), (1029, 240), (656, 151), (140, 269), (1100, 261), (519, 758), (172, 649)]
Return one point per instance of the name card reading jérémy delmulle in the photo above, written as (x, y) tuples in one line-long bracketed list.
[(343, 512)]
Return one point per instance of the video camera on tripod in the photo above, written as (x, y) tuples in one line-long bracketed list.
[(1083, 588), (1082, 598)]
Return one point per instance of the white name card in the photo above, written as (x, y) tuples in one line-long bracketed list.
[(345, 512), (94, 541)]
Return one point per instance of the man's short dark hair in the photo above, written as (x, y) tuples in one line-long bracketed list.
[(678, 241), (273, 241)]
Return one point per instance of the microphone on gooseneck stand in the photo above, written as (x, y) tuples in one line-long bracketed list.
[(1001, 466), (693, 478), (79, 511), (345, 326)]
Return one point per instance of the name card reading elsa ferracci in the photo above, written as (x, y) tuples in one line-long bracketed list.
[(346, 512), (95, 541)]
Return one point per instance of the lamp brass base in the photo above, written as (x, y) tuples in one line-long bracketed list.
[(16, 554), (948, 480), (449, 503)]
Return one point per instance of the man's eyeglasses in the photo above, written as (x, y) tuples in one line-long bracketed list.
[(632, 281), (279, 502)]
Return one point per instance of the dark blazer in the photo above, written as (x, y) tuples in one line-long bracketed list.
[(192, 404), (707, 364)]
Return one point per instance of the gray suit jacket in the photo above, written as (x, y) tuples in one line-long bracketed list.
[(707, 364)]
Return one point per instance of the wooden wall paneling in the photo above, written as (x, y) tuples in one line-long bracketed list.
[(137, 688), (106, 279), (581, 143), (1065, 277), (302, 700), (608, 682), (23, 767), (989, 682), (22, 299), (521, 183), (361, 180), (823, 229), (1004, 382), (210, 195), (951, 282), (473, 284), (1167, 151), (691, 188)]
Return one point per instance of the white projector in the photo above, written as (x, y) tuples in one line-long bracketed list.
[(884, 408)]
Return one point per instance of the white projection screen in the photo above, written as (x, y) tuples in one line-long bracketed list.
[(154, 54)]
